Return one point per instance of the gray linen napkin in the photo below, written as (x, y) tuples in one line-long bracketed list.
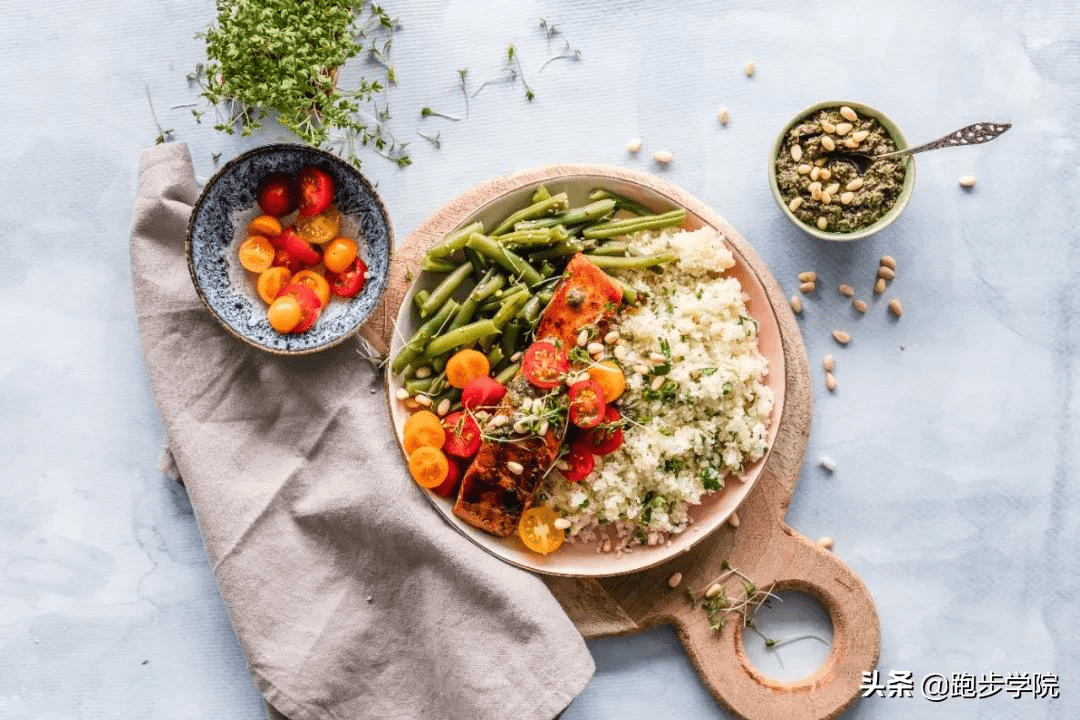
[(350, 596)]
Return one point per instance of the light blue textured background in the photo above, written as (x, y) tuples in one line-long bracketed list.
[(954, 429)]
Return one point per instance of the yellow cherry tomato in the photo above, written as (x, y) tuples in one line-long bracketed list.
[(428, 466), (271, 282), (256, 253), (316, 282), (339, 254), (464, 365), (610, 378), (265, 225), (319, 229), (537, 530), (284, 313)]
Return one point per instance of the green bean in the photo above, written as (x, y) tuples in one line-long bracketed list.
[(494, 304), (479, 263), (629, 226), (561, 250), (439, 266), (445, 289), (617, 249), (422, 336), (495, 356), (439, 383), (540, 237), (465, 335), (514, 264), (454, 241), (530, 312), (452, 394), (547, 270), (548, 206), (545, 297), (621, 202), (439, 363), (574, 216), (542, 193), (510, 309), (507, 374), (510, 337), (488, 285), (420, 297), (419, 386), (629, 294), (631, 263)]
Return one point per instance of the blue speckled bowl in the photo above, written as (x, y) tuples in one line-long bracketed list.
[(227, 203)]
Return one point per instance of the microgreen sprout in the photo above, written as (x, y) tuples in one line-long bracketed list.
[(164, 134), (428, 112)]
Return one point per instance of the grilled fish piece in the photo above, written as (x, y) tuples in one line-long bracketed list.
[(493, 492)]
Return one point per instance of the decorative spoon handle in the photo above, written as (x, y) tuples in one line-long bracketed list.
[(970, 135)]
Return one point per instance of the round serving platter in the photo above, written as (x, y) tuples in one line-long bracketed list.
[(580, 559)]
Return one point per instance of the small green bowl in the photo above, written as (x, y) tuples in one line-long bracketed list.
[(884, 220)]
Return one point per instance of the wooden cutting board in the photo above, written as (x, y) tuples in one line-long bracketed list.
[(763, 547)]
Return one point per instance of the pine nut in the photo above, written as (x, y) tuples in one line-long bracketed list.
[(828, 363), (749, 69), (895, 307), (520, 427), (606, 547), (860, 135), (825, 174), (851, 143), (805, 169), (796, 153), (411, 404), (795, 203), (561, 523), (423, 400), (641, 369), (830, 382), (714, 590), (886, 272), (847, 197), (879, 286), (796, 304), (841, 337), (515, 357), (675, 580), (814, 185), (855, 184), (833, 188), (822, 222), (658, 382), (825, 542), (826, 198), (444, 407), (828, 126), (594, 348), (423, 372), (815, 194), (612, 337), (583, 338), (401, 394), (634, 146), (888, 261), (967, 182), (827, 143), (725, 116), (843, 128), (860, 305), (498, 421), (808, 276), (807, 287), (848, 114), (815, 174), (733, 520), (663, 157), (828, 463), (515, 467), (846, 290), (657, 357), (542, 430), (820, 162)]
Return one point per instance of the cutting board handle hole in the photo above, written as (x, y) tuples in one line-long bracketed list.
[(801, 635)]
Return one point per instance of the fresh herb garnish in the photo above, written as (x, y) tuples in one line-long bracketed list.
[(164, 134), (710, 479)]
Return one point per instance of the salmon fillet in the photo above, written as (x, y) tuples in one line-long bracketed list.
[(492, 497)]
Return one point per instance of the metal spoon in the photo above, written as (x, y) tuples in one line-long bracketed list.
[(970, 135)]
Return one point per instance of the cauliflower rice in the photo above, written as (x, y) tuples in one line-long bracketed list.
[(688, 433)]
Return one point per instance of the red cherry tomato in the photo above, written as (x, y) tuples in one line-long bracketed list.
[(482, 392), (544, 365), (284, 259), (449, 486), (462, 435), (607, 436), (316, 190), (587, 404), (310, 305), (276, 195), (290, 241), (581, 462), (350, 281)]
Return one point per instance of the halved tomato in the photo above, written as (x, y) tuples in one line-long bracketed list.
[(587, 404), (350, 281), (581, 462), (271, 282), (310, 307), (462, 435), (290, 241), (607, 436), (276, 195), (449, 486), (538, 531), (319, 229), (316, 282), (316, 190), (482, 392), (544, 365)]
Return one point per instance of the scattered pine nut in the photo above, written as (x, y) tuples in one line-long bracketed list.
[(423, 400), (848, 114), (825, 542), (663, 157), (860, 135), (401, 394), (795, 203), (815, 194), (733, 520), (515, 467), (612, 337), (749, 68), (843, 128), (814, 185), (658, 382), (855, 184), (714, 590), (830, 381), (888, 261), (841, 337), (826, 197), (634, 146), (860, 305), (895, 307), (828, 363), (879, 286), (583, 338), (851, 143), (828, 143), (815, 173), (423, 372), (411, 404), (675, 580), (796, 304), (606, 547), (594, 347), (846, 290), (808, 276), (825, 173), (805, 169), (828, 463), (724, 116), (847, 197), (822, 222), (807, 287), (967, 182), (561, 523), (444, 407), (832, 188), (796, 152), (886, 272)]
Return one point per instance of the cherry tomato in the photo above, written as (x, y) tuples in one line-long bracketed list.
[(428, 466), (316, 282), (291, 242), (544, 365), (265, 225), (537, 530), (285, 259), (310, 307), (482, 392), (256, 253), (587, 404), (462, 435), (607, 436), (316, 190), (350, 281), (449, 486), (581, 462), (276, 195), (319, 229), (339, 254), (271, 282), (284, 313)]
